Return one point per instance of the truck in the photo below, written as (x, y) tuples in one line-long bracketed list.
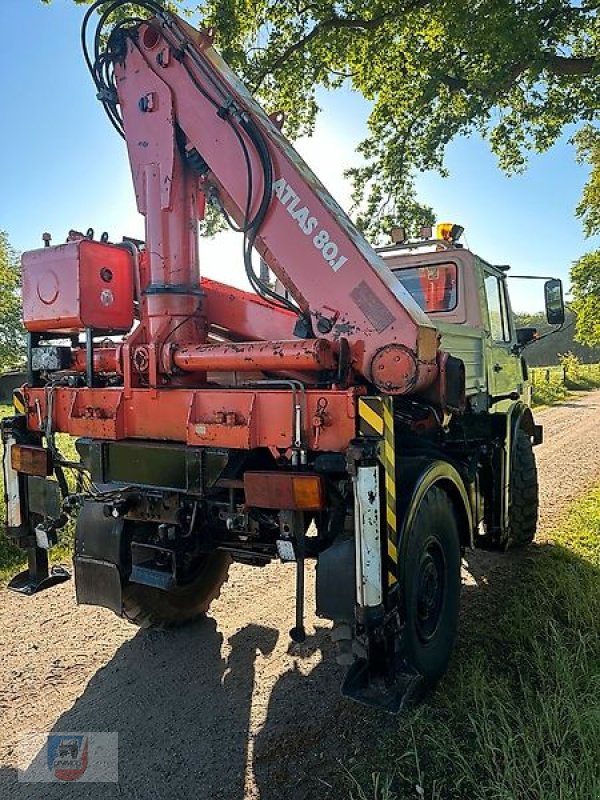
[(365, 410)]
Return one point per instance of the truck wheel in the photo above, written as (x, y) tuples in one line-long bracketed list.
[(431, 581), (523, 494), (147, 606)]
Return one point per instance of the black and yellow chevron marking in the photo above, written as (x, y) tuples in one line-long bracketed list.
[(376, 419), (370, 416), (388, 458), (19, 403)]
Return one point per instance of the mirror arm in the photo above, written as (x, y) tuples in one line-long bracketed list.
[(546, 335)]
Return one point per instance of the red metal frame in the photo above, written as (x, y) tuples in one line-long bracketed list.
[(237, 418)]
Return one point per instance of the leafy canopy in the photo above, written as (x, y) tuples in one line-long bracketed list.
[(585, 279), (519, 72), (12, 343)]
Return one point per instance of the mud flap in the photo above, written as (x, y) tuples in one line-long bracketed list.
[(100, 558), (98, 583)]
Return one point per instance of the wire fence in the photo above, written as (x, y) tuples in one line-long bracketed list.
[(564, 375)]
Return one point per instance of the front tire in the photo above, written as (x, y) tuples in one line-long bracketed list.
[(431, 586), (523, 494), (147, 606)]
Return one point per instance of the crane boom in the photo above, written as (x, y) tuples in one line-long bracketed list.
[(191, 126)]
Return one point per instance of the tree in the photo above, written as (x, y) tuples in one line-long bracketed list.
[(12, 339), (585, 273), (519, 72), (585, 280)]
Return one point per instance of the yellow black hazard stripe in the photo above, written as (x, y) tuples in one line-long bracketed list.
[(370, 416), (376, 419), (19, 403)]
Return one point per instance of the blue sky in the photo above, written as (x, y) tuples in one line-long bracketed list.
[(63, 166)]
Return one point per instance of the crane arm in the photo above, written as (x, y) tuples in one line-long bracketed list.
[(192, 127)]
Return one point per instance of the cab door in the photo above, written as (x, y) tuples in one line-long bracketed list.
[(503, 365)]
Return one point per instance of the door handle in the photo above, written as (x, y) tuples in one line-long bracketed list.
[(498, 367)]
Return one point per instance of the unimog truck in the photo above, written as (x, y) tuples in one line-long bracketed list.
[(367, 410)]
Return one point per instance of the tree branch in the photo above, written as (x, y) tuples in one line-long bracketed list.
[(568, 65), (336, 23)]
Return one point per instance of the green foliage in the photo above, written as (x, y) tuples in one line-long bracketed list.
[(548, 394), (519, 714), (585, 280), (12, 341), (553, 384), (571, 366), (588, 151), (518, 73)]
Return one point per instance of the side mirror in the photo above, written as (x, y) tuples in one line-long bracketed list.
[(555, 305), (526, 335)]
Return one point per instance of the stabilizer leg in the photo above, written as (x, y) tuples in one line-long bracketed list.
[(38, 576)]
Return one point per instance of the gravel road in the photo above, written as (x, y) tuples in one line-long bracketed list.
[(225, 709)]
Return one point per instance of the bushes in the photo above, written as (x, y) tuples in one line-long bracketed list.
[(552, 384)]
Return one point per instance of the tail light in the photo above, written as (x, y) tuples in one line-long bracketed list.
[(31, 460), (284, 490)]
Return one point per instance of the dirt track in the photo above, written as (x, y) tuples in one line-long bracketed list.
[(225, 709)]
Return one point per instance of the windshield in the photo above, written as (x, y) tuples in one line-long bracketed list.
[(434, 287)]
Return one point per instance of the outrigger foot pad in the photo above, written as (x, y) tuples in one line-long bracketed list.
[(394, 697), (37, 576)]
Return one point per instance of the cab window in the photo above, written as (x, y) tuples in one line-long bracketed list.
[(434, 287), (497, 309)]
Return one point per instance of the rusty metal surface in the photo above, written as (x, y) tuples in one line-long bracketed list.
[(299, 354), (243, 418), (244, 315)]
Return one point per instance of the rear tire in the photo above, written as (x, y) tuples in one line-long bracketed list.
[(431, 585), (147, 606), (524, 494)]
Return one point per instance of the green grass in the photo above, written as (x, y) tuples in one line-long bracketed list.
[(12, 559), (518, 715)]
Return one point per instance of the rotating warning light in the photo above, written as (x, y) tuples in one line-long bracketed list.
[(448, 231)]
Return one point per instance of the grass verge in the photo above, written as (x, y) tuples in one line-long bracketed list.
[(548, 394), (518, 715)]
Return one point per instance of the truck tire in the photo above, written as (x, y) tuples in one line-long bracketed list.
[(149, 607), (523, 494), (431, 586)]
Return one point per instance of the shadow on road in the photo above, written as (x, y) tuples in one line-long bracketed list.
[(182, 711), (181, 702)]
